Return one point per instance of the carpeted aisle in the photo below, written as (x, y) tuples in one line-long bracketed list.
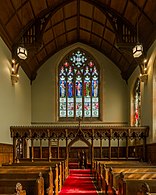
[(78, 182)]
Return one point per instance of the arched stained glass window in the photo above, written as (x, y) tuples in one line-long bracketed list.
[(78, 86), (137, 103)]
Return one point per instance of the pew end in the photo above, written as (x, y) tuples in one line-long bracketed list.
[(19, 189), (144, 189)]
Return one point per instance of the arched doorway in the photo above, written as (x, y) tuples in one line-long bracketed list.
[(77, 148)]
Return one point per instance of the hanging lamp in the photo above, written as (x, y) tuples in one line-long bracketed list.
[(21, 50), (138, 48)]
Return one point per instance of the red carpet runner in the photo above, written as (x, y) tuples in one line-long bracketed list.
[(78, 182)]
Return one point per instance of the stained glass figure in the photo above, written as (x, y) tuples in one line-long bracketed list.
[(137, 103), (62, 88), (94, 88), (87, 87), (78, 89)]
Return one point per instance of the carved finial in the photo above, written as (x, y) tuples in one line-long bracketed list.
[(121, 175)]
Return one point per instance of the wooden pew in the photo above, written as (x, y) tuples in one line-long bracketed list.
[(49, 175), (53, 179), (104, 175), (35, 160), (144, 189), (19, 189), (123, 162), (114, 173), (41, 163), (129, 183), (33, 186), (99, 175), (29, 174)]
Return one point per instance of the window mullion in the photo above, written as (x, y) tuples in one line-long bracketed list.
[(82, 96), (90, 88)]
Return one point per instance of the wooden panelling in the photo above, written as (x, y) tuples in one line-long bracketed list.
[(116, 152), (151, 151), (6, 153)]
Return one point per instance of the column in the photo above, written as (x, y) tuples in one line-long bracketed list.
[(18, 148), (135, 148), (28, 149), (23, 148), (14, 150), (92, 148), (110, 137), (144, 149), (40, 148), (127, 147), (100, 147), (49, 146), (58, 149), (118, 147), (67, 154), (32, 149), (109, 150)]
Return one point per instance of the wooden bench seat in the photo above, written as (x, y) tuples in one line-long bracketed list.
[(128, 183), (35, 160), (36, 163), (134, 173), (118, 164), (18, 190), (123, 163), (41, 165), (49, 174), (105, 176), (33, 186), (131, 186), (54, 175)]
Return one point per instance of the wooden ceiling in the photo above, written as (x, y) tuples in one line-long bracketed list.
[(46, 26)]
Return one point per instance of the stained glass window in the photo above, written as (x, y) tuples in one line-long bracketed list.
[(78, 86), (137, 103)]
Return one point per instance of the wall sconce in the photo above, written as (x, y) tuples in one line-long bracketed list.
[(14, 72), (143, 74)]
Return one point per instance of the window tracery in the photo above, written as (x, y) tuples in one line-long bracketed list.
[(78, 86)]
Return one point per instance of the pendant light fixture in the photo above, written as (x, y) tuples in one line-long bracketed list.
[(138, 48), (21, 50)]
